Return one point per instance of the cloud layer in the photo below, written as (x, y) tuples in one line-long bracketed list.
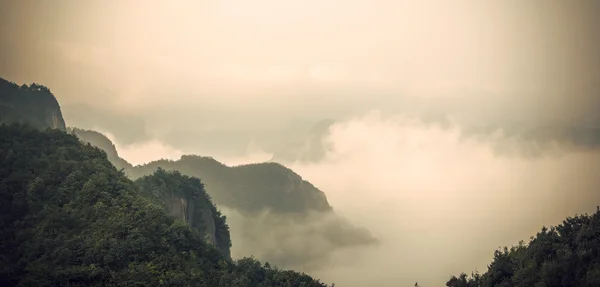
[(441, 202), (438, 198)]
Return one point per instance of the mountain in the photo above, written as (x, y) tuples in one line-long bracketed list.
[(70, 218), (565, 255), (33, 104), (184, 197), (250, 188), (270, 206), (102, 142)]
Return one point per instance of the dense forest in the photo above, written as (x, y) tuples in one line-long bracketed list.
[(275, 205), (250, 188), (184, 197), (565, 255), (69, 217), (102, 142)]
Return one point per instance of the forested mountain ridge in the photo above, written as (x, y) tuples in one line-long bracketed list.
[(102, 142), (69, 217), (249, 188), (33, 104), (275, 204), (564, 255), (184, 197)]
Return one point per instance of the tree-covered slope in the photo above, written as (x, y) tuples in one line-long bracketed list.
[(33, 104), (565, 255), (184, 197), (70, 218), (249, 188), (278, 215), (102, 142)]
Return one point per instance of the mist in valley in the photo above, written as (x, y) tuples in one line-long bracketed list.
[(439, 132), (438, 200)]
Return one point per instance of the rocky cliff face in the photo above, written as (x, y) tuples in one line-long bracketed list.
[(275, 212), (34, 105), (209, 227), (184, 197), (184, 209)]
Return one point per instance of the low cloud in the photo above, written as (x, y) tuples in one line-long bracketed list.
[(307, 242), (438, 197), (143, 152), (439, 201)]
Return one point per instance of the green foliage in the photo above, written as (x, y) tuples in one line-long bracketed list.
[(102, 142), (69, 218), (34, 105), (167, 188), (280, 198), (565, 255), (249, 189)]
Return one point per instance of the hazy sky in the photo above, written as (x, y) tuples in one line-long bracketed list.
[(205, 65), (163, 78)]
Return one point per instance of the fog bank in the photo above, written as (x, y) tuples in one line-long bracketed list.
[(440, 201)]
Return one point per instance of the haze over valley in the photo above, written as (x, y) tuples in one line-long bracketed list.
[(364, 143)]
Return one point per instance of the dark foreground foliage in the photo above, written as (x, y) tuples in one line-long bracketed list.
[(70, 218), (565, 255)]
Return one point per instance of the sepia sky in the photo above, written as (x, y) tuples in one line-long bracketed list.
[(271, 61), (426, 96)]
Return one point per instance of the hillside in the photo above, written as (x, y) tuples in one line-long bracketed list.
[(33, 104), (102, 142), (184, 197), (270, 204), (565, 255), (69, 217), (249, 188)]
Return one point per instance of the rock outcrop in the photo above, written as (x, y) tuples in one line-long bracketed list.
[(183, 208), (184, 197), (209, 226), (34, 105)]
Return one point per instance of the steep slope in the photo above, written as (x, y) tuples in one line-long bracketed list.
[(33, 104), (278, 216), (68, 217), (565, 255), (250, 188), (184, 197), (102, 142), (247, 188)]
